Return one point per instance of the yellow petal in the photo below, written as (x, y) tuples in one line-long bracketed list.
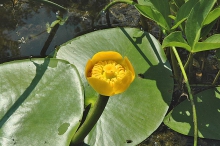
[(88, 68), (107, 55), (121, 85), (127, 63), (101, 86)]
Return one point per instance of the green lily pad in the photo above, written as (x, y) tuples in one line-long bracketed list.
[(208, 114), (41, 102), (135, 114)]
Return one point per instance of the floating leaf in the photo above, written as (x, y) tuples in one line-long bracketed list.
[(208, 112), (41, 102), (133, 115)]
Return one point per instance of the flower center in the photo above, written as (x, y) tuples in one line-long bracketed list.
[(109, 71)]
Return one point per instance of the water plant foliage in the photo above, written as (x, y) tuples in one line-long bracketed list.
[(130, 115), (52, 92), (44, 101)]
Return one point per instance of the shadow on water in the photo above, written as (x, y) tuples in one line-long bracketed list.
[(40, 70), (160, 72)]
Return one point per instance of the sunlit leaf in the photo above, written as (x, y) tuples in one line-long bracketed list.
[(213, 42), (195, 20), (175, 39), (135, 114), (41, 102), (213, 15), (156, 10)]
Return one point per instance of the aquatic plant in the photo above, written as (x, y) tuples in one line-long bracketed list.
[(64, 100)]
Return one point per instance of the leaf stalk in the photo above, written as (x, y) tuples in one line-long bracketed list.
[(190, 95), (131, 2)]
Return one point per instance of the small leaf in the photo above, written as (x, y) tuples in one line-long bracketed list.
[(161, 6), (213, 15), (175, 39), (213, 42), (153, 14), (195, 20), (54, 23), (208, 112), (48, 27), (160, 9), (62, 20), (172, 17), (184, 12)]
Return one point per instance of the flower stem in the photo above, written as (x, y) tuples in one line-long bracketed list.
[(91, 119), (190, 95), (216, 78), (51, 3), (131, 2)]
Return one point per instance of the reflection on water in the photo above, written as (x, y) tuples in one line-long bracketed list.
[(23, 26)]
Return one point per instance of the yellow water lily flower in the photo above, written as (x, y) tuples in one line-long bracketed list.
[(109, 73)]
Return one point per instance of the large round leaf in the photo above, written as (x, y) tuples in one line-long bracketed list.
[(41, 102), (132, 116), (208, 114)]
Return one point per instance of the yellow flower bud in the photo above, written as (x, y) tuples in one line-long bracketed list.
[(109, 73)]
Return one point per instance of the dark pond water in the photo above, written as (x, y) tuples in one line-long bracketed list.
[(24, 25), (24, 33)]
